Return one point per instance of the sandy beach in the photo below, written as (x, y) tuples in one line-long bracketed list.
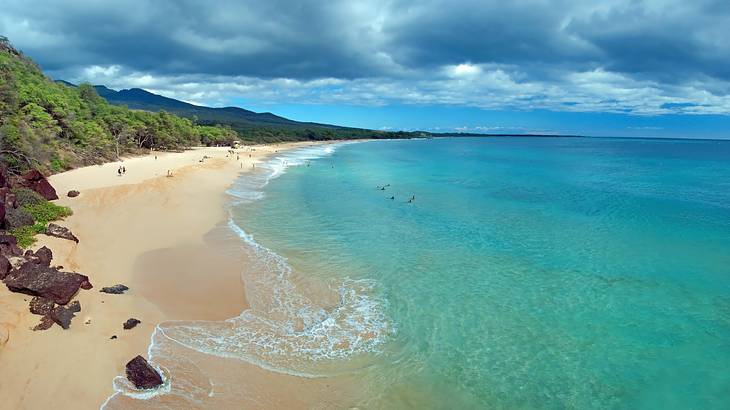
[(153, 233)]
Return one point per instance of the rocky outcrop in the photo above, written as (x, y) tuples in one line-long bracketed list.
[(142, 375), (130, 323), (9, 246), (73, 193), (34, 180), (116, 289), (62, 315), (38, 280), (4, 176), (61, 232), (17, 217), (2, 212), (8, 197), (5, 266), (43, 256)]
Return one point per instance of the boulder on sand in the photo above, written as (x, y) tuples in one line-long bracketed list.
[(73, 193), (38, 280), (34, 180), (142, 375), (115, 290), (130, 323), (61, 232)]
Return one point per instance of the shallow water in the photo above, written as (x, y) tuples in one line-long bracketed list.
[(528, 273)]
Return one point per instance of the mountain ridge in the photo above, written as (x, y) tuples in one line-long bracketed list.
[(250, 125)]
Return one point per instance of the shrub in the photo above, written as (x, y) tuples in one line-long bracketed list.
[(26, 196), (17, 218), (31, 219), (26, 234), (45, 212)]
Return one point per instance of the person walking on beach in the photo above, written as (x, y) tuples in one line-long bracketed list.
[(119, 171), (124, 170)]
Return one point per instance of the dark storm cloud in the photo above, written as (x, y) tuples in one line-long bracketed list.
[(622, 55), (265, 39)]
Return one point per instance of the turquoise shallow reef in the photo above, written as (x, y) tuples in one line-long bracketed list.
[(527, 273)]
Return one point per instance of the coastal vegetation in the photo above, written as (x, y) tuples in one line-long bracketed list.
[(32, 215)]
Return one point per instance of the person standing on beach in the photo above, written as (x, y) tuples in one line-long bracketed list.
[(124, 170)]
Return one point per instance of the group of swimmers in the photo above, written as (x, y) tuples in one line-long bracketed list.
[(382, 188)]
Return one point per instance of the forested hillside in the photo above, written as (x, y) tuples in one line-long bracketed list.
[(250, 126), (53, 127)]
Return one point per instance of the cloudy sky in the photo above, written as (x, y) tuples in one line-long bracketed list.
[(614, 67)]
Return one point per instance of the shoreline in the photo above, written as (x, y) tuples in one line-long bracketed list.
[(156, 235)]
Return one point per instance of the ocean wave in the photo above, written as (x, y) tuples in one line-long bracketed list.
[(285, 330), (249, 188)]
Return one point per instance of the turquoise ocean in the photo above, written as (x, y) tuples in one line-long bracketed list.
[(584, 273)]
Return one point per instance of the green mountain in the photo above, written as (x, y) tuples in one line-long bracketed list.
[(251, 126), (140, 99)]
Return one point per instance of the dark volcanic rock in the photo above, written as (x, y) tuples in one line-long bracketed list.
[(8, 198), (130, 323), (113, 337), (11, 201), (38, 280), (3, 175), (116, 289), (63, 314), (142, 375), (2, 212), (43, 256), (41, 306), (61, 232), (17, 217), (5, 267), (73, 193), (9, 246), (34, 180), (45, 324)]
